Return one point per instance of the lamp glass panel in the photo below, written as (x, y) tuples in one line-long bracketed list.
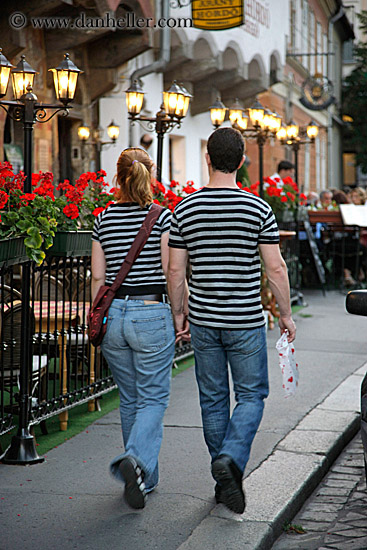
[(235, 115), (134, 102), (186, 105), (267, 121), (292, 131), (217, 116), (282, 133), (98, 133), (179, 112), (277, 121), (71, 86), (20, 83), (113, 131), (312, 131), (170, 102), (256, 116), (242, 122), (4, 79), (83, 133)]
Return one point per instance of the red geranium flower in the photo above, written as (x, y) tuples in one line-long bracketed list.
[(97, 211), (3, 198), (188, 189), (71, 211)]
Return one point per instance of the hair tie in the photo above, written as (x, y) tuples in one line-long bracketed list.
[(134, 161)]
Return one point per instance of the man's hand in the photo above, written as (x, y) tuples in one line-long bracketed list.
[(182, 327), (287, 323)]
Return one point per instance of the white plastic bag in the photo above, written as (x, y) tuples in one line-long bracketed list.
[(288, 365)]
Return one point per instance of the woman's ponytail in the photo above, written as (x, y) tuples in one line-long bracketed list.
[(134, 168)]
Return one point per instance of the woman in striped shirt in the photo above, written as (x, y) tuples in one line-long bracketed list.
[(139, 342)]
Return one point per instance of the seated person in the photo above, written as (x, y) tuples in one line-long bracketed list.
[(358, 196)]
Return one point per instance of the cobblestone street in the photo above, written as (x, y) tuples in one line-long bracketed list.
[(335, 516)]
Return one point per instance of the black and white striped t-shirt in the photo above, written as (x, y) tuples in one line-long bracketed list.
[(116, 228), (221, 229)]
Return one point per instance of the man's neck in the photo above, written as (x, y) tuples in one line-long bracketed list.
[(220, 179)]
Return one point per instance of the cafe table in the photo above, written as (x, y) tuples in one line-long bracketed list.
[(57, 318)]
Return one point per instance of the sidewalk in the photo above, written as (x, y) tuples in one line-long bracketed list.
[(335, 516), (70, 501)]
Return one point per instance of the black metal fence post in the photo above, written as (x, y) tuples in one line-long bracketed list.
[(22, 449), (261, 141)]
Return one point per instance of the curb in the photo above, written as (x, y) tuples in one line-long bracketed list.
[(279, 487)]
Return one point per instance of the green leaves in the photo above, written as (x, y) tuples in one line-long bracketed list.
[(34, 240), (355, 99)]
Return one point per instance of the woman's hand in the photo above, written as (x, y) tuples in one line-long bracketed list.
[(182, 327)]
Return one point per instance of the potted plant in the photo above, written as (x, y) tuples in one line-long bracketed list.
[(284, 201), (38, 217)]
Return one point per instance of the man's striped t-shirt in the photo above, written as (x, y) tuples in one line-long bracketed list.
[(116, 228), (221, 229)]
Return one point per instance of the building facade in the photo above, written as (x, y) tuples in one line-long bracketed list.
[(276, 55)]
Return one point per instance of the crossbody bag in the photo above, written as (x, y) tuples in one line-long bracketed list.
[(98, 315)]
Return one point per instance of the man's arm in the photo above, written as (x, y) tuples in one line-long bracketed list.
[(276, 270), (177, 290)]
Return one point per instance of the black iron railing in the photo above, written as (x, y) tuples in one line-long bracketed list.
[(65, 369)]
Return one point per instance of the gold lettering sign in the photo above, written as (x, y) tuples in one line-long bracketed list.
[(217, 15)]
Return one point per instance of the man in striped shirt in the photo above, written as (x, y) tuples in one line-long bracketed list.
[(221, 230)]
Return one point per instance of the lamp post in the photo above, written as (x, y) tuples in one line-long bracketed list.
[(295, 136), (113, 132), (265, 124), (174, 108), (292, 135), (26, 109)]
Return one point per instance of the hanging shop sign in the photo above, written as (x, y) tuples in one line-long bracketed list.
[(317, 93), (217, 15)]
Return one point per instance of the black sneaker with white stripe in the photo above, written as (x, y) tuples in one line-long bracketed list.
[(135, 494)]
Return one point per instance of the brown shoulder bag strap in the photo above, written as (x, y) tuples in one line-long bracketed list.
[(138, 244)]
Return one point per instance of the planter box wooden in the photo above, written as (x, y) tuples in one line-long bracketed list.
[(12, 251), (325, 216), (71, 243)]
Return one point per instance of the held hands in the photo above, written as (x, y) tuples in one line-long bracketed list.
[(182, 327), (286, 324)]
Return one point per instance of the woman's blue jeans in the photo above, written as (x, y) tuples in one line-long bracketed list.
[(246, 353), (139, 347)]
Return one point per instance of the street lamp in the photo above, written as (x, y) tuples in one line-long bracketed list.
[(113, 132), (265, 124), (26, 109), (174, 108), (217, 113), (295, 136)]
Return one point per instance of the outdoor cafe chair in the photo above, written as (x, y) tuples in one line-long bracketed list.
[(49, 288), (10, 350)]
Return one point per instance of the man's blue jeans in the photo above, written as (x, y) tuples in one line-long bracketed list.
[(139, 347), (246, 353)]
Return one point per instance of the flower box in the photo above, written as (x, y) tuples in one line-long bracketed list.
[(325, 216), (12, 251), (71, 243)]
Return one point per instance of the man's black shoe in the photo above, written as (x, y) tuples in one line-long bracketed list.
[(229, 483), (218, 496)]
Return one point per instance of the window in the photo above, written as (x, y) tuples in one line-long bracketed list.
[(177, 157), (292, 26), (348, 49), (312, 44), (319, 47), (324, 57), (304, 33)]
